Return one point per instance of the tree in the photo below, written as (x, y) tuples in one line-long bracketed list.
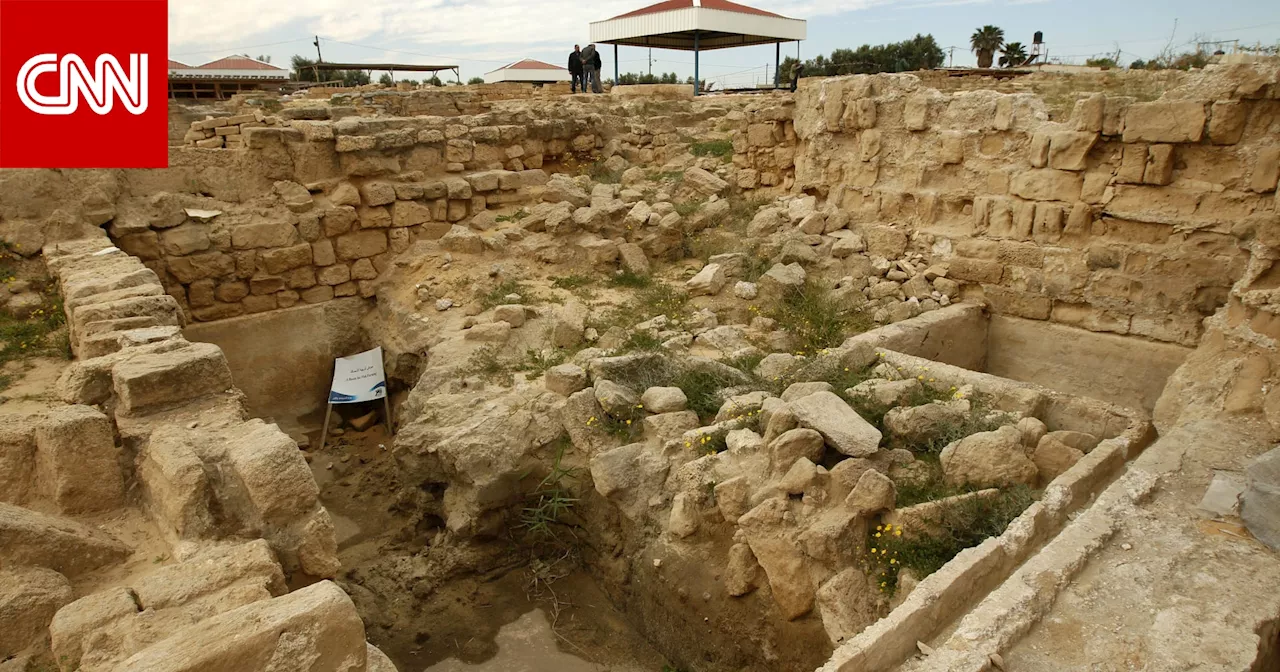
[(1105, 62), (386, 79), (476, 80), (435, 81), (919, 53), (302, 70), (1014, 55), (986, 41)]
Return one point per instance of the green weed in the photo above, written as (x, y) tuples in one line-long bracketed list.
[(962, 525), (631, 280), (572, 281), (513, 217), (552, 499), (722, 149), (815, 319)]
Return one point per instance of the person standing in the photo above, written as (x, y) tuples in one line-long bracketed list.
[(797, 71), (591, 67), (575, 70)]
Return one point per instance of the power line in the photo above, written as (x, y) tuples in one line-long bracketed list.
[(234, 49)]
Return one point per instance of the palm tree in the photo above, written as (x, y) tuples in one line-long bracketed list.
[(986, 41), (1015, 54)]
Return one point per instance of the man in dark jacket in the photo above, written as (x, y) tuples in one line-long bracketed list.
[(575, 69), (591, 68)]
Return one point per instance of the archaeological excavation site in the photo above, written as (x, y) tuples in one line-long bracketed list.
[(895, 372)]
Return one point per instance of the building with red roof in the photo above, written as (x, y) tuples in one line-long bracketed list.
[(529, 71), (697, 25), (223, 77)]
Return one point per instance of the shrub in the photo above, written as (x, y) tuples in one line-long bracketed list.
[(498, 294), (571, 281), (957, 527), (626, 278), (815, 319)]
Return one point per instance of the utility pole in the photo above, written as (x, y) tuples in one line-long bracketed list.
[(650, 61), (951, 56), (319, 58)]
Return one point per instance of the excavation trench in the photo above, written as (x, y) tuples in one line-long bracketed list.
[(604, 590)]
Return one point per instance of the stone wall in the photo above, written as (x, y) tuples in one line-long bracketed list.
[(317, 210), (1131, 218)]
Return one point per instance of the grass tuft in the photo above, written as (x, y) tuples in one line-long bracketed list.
[(964, 525), (815, 318), (721, 149)]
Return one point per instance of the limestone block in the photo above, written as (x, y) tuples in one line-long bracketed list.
[(77, 461), (1227, 120), (294, 196), (29, 597), (77, 621), (1089, 113), (263, 234), (283, 259), (276, 483), (840, 426), (1133, 164), (1069, 149), (742, 569), (377, 193), (409, 213), (704, 182), (1260, 503), (173, 482), (1159, 169), (1165, 121), (988, 459), (772, 541), (1266, 171), (565, 379), (314, 628), (374, 217), (1047, 185), (1052, 458), (185, 239), (916, 112), (203, 265), (17, 457), (361, 244), (1039, 151), (337, 221), (155, 380), (708, 281), (60, 544), (847, 603)]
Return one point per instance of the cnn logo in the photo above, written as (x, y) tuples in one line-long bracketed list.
[(84, 84), (99, 87)]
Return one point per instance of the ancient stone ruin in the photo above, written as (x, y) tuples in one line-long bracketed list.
[(888, 374)]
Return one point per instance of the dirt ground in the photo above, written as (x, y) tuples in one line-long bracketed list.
[(423, 602)]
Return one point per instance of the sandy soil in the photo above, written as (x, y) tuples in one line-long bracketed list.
[(422, 598)]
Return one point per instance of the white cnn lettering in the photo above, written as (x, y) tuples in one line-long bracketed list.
[(100, 88)]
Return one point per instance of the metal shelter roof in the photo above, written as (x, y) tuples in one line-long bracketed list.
[(712, 24)]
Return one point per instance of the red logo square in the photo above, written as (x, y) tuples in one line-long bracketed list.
[(84, 84)]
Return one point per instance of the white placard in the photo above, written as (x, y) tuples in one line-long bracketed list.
[(358, 378)]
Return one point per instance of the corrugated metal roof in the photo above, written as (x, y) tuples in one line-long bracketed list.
[(177, 65), (237, 63), (723, 5), (531, 64)]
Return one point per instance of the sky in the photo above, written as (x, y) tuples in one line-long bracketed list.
[(483, 35)]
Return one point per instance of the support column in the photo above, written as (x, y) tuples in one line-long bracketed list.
[(615, 65), (696, 80), (777, 64)]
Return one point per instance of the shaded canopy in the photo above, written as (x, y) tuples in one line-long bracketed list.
[(700, 24)]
